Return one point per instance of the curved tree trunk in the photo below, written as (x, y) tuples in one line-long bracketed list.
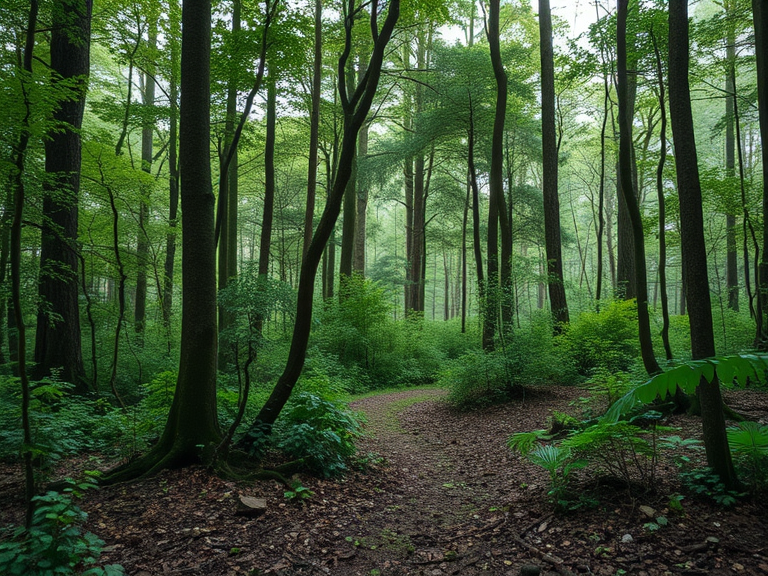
[(692, 241), (356, 105), (628, 192)]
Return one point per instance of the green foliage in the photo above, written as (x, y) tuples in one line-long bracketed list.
[(622, 450), (559, 462), (477, 379), (62, 423), (55, 543), (741, 368), (319, 431), (604, 340), (704, 482), (749, 445), (298, 492)]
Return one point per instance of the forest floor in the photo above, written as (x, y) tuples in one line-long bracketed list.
[(442, 495)]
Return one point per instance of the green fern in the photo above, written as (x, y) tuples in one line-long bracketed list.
[(740, 368)]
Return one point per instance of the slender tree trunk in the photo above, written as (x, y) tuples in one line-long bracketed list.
[(142, 241), (487, 345), (692, 241), (269, 179), (173, 173), (731, 266), (628, 192), (19, 192), (557, 298), (760, 17), (356, 111), (57, 340), (662, 205), (464, 222), (362, 202), (601, 193), (314, 129)]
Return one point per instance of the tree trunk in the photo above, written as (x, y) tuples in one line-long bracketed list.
[(487, 344), (628, 192), (192, 428), (173, 173), (760, 17), (362, 203), (57, 341), (692, 241), (142, 241), (557, 298), (356, 111), (731, 265), (314, 129), (269, 179), (662, 204)]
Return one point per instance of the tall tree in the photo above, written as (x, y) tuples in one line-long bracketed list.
[(173, 166), (147, 141), (630, 196), (192, 422), (549, 176), (760, 18), (314, 127), (731, 267), (692, 241), (356, 104), (57, 340)]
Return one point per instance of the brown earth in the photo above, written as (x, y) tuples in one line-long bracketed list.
[(442, 495)]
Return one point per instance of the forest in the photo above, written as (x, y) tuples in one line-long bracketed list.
[(383, 287)]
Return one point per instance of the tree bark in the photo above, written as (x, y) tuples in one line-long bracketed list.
[(142, 240), (731, 266), (692, 242), (760, 18), (192, 429), (314, 128), (356, 105), (557, 298), (57, 341), (628, 192), (662, 204)]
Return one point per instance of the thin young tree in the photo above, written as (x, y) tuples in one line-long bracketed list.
[(628, 191), (356, 104)]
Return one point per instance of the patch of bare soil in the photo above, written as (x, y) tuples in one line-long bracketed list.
[(442, 495)]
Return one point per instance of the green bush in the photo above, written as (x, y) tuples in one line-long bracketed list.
[(55, 543), (320, 431), (604, 340), (477, 379)]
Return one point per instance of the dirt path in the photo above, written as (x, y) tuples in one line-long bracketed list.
[(443, 495)]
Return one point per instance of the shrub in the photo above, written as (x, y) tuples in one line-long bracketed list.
[(606, 339), (55, 543), (478, 378), (319, 431)]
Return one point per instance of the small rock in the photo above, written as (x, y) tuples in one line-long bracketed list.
[(250, 506), (738, 567), (712, 540), (626, 539), (648, 511), (543, 527), (530, 570)]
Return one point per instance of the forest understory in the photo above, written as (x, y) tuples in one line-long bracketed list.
[(441, 494)]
